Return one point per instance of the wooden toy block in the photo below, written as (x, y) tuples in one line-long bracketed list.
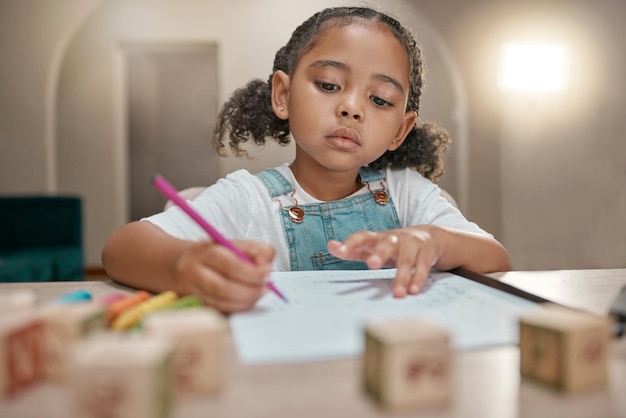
[(121, 376), (564, 348), (64, 325), (17, 301), (198, 336), (21, 352), (407, 363)]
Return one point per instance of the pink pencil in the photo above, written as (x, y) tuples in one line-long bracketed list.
[(170, 192)]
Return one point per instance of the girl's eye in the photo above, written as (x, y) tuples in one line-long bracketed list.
[(327, 86), (380, 102)]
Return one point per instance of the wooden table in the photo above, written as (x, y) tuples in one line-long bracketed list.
[(486, 382)]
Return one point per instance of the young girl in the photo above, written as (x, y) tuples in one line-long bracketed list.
[(359, 193)]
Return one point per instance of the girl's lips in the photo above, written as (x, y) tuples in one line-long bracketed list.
[(344, 138)]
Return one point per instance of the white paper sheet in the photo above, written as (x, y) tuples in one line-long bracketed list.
[(327, 310)]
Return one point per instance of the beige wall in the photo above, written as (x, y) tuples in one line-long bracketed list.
[(547, 180), (560, 172), (33, 34)]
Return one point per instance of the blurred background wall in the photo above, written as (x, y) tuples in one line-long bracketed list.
[(89, 88)]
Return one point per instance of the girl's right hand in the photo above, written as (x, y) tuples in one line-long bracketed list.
[(220, 278)]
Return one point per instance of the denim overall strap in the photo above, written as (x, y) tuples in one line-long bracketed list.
[(322, 222), (369, 174), (275, 182)]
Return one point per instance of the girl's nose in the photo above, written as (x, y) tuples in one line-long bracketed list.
[(346, 114), (350, 108)]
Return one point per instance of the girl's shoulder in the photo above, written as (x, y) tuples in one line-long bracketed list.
[(236, 186), (245, 182), (238, 179), (406, 183), (404, 176), (241, 175)]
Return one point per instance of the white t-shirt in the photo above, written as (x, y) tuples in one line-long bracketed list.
[(240, 207)]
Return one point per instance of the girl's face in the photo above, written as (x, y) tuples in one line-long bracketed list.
[(347, 97)]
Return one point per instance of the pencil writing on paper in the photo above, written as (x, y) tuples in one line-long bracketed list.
[(163, 186)]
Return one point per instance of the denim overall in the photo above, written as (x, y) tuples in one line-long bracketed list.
[(323, 222)]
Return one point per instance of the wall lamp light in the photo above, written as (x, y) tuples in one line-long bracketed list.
[(534, 67)]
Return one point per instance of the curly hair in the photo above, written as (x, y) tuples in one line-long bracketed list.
[(248, 113)]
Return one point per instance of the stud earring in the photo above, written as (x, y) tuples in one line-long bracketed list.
[(282, 108)]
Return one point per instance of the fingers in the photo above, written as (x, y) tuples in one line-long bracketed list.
[(223, 280), (225, 295), (259, 252), (405, 271), (412, 271), (413, 252), (350, 249), (385, 250), (228, 306), (227, 264)]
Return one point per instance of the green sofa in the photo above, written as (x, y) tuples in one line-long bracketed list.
[(41, 238)]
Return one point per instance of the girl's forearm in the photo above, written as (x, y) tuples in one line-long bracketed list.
[(475, 252), (143, 256)]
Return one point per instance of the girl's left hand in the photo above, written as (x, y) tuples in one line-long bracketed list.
[(412, 250)]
